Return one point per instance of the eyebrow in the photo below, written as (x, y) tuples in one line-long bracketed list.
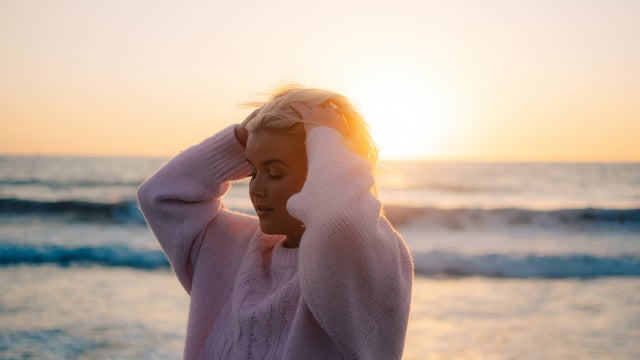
[(269, 162)]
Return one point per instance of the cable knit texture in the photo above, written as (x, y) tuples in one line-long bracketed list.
[(343, 294)]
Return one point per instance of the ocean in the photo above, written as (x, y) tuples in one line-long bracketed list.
[(513, 260)]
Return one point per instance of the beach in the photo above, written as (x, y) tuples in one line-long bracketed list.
[(95, 313), (480, 318), (513, 260)]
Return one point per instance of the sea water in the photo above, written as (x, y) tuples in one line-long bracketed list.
[(513, 260)]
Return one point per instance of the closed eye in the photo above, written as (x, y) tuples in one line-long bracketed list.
[(253, 172)]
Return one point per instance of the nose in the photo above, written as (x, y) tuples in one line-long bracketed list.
[(257, 188)]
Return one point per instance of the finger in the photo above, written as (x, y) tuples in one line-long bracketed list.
[(300, 109), (328, 104), (254, 113), (250, 117)]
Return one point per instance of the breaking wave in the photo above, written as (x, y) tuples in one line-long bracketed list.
[(435, 263), (440, 263), (471, 218), (119, 212), (12, 254)]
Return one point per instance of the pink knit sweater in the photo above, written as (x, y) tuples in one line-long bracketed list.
[(343, 294)]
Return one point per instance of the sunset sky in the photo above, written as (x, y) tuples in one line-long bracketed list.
[(530, 80)]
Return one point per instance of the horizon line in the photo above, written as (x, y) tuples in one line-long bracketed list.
[(382, 159)]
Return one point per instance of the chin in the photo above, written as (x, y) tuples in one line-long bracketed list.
[(269, 230)]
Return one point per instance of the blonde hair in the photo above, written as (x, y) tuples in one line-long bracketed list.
[(276, 115)]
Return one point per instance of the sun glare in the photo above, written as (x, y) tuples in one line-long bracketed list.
[(410, 117)]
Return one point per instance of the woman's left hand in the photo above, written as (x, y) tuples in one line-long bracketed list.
[(323, 115), (241, 129)]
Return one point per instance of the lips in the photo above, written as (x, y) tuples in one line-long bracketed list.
[(262, 210)]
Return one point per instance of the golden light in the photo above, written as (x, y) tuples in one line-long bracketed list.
[(409, 114)]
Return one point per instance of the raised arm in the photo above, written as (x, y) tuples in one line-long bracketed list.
[(183, 199), (355, 270)]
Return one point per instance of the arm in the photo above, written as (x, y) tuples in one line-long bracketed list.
[(182, 201), (355, 270)]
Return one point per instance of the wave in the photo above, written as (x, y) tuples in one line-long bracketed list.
[(64, 184), (439, 263), (119, 212), (473, 218), (435, 264), (11, 254), (586, 219)]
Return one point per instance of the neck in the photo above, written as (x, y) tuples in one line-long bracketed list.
[(291, 242)]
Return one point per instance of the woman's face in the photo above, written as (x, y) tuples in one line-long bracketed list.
[(279, 165)]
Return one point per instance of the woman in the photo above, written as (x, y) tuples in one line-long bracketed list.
[(320, 274)]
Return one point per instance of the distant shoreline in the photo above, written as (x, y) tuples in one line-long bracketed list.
[(382, 160)]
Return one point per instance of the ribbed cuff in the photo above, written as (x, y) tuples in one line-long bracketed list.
[(225, 156)]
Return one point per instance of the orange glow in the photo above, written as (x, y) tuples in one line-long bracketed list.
[(471, 80), (410, 115)]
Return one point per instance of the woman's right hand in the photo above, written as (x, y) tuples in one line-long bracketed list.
[(322, 115), (241, 129)]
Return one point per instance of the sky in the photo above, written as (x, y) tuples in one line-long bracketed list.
[(529, 80)]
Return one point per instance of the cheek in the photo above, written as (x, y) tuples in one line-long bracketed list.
[(297, 183), (286, 189)]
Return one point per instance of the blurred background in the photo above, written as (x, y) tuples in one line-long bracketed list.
[(509, 137)]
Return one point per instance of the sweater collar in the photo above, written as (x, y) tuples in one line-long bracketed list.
[(282, 256)]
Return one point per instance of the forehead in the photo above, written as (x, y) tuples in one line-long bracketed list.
[(266, 146)]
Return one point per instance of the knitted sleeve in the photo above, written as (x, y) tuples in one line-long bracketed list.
[(182, 203), (355, 271)]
